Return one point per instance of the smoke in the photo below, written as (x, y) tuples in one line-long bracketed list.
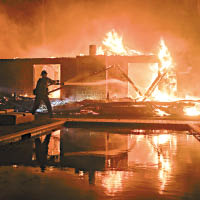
[(43, 28)]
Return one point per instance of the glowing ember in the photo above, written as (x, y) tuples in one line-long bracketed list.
[(113, 45), (161, 112), (163, 96), (192, 111)]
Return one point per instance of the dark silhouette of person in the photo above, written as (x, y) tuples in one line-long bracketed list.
[(41, 151), (41, 92), (91, 175)]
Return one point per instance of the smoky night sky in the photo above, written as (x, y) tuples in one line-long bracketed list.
[(42, 28)]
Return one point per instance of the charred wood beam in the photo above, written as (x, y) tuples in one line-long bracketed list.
[(154, 84), (129, 80)]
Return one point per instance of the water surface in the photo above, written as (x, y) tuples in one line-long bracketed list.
[(86, 163)]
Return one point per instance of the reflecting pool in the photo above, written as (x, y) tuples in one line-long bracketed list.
[(93, 163)]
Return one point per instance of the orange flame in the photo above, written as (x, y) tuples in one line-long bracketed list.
[(164, 56), (113, 45), (193, 110), (166, 90)]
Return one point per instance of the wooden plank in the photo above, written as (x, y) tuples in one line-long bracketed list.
[(6, 111)]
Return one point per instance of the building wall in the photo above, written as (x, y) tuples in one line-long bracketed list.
[(90, 77), (120, 89), (16, 75)]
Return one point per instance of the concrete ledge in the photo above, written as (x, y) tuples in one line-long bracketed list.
[(14, 118), (133, 121), (32, 132)]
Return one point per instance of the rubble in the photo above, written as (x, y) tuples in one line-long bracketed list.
[(18, 103)]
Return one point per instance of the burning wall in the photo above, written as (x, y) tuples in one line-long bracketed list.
[(164, 87)]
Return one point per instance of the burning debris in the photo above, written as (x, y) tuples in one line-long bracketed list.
[(17, 102), (192, 110), (164, 87)]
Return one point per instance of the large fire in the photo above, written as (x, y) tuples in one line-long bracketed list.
[(166, 89), (113, 45)]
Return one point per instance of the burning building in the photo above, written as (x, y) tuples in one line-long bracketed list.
[(20, 75), (110, 71)]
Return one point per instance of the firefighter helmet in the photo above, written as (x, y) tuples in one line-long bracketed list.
[(43, 72)]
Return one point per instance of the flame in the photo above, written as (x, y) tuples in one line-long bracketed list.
[(163, 96), (166, 90), (113, 45), (191, 97), (192, 110), (164, 57)]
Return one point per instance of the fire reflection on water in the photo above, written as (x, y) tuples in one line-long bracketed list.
[(163, 145), (150, 160), (149, 151), (113, 181), (147, 164)]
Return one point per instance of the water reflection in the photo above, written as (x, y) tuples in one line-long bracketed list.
[(164, 145), (41, 151), (145, 160)]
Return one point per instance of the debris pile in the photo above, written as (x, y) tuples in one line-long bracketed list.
[(16, 102)]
